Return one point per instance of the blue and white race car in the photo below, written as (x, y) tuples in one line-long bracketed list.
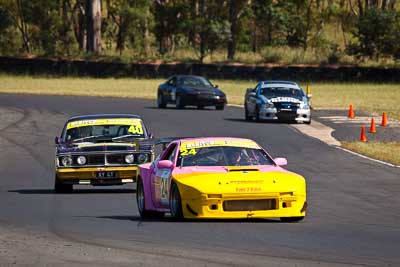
[(277, 100)]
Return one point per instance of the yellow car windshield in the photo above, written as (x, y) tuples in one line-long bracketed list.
[(223, 156)]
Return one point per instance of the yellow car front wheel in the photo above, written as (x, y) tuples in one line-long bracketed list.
[(175, 203)]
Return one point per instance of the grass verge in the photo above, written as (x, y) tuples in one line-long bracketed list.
[(388, 152)]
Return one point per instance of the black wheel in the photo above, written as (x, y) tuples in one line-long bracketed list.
[(59, 187), (246, 114), (160, 101), (257, 115), (308, 122), (175, 203), (200, 107), (220, 107), (179, 102), (140, 200), (292, 219)]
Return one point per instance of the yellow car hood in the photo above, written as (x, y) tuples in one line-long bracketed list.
[(242, 180)]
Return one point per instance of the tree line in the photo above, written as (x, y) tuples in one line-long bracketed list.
[(367, 28)]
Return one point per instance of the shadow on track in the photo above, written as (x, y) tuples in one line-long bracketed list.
[(75, 191), (171, 220)]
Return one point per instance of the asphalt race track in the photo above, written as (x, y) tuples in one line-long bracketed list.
[(354, 204)]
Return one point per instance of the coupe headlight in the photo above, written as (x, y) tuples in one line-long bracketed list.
[(81, 160), (305, 106), (129, 158), (269, 105), (143, 158), (66, 161)]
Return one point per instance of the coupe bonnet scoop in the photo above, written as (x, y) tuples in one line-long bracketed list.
[(242, 169)]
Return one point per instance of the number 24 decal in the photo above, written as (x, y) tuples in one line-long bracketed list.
[(187, 152)]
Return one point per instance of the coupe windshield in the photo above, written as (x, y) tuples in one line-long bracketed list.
[(109, 129), (194, 82), (223, 156), (271, 92)]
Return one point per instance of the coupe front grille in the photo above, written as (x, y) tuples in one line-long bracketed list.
[(205, 96), (280, 105), (116, 159), (104, 159), (95, 159), (250, 205)]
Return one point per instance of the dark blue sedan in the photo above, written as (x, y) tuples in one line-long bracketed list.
[(190, 90)]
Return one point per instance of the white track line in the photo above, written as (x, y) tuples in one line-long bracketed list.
[(360, 120), (365, 157)]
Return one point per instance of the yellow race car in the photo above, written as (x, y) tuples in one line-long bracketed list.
[(219, 178)]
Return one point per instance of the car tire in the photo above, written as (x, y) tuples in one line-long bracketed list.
[(220, 107), (179, 102), (200, 107), (257, 115), (308, 122), (175, 203), (246, 114), (59, 187), (160, 101), (292, 219), (140, 200)]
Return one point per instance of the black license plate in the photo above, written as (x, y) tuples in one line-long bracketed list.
[(205, 97), (284, 115), (106, 174)]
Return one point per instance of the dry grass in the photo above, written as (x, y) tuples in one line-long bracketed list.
[(79, 86), (388, 152), (276, 54), (374, 98)]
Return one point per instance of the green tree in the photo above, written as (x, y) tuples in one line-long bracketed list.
[(7, 36), (236, 10), (376, 31), (209, 26), (131, 18), (170, 20), (93, 25)]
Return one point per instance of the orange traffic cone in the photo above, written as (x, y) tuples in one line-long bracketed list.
[(372, 128), (363, 137), (384, 119), (351, 112)]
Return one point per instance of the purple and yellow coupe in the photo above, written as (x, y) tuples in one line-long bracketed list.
[(219, 178)]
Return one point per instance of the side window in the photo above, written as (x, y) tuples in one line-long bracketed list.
[(258, 90), (172, 81), (170, 153), (172, 156)]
